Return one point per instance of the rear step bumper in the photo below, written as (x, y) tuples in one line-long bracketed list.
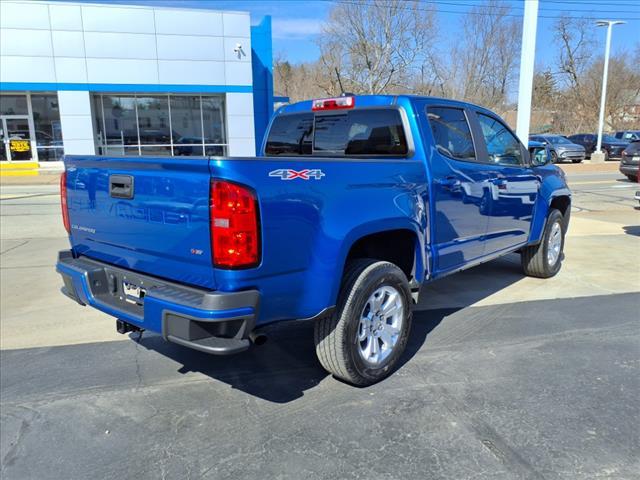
[(211, 322)]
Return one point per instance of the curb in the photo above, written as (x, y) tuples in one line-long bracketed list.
[(588, 167), (29, 177)]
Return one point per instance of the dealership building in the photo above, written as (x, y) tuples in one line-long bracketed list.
[(107, 79)]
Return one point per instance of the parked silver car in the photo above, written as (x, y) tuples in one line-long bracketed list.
[(562, 150)]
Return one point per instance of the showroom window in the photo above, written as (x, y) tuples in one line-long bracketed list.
[(30, 121), (178, 125), (46, 120)]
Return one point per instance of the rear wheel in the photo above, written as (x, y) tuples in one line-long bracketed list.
[(363, 340), (554, 157), (577, 160), (545, 259), (632, 178)]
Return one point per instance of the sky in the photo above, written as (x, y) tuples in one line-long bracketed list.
[(297, 23)]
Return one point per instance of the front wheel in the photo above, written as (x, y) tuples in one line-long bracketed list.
[(554, 157), (576, 161), (632, 178), (545, 259), (362, 341)]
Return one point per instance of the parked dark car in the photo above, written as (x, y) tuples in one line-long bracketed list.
[(628, 135), (612, 146), (562, 150), (630, 161)]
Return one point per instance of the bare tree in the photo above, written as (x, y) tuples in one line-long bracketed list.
[(623, 90), (574, 38), (577, 102), (283, 75), (298, 82), (484, 61), (375, 46)]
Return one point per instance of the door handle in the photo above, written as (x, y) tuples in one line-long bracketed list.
[(121, 186)]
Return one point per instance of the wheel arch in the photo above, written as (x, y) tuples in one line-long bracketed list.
[(560, 200), (393, 240)]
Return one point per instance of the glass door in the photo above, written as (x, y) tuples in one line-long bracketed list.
[(16, 138)]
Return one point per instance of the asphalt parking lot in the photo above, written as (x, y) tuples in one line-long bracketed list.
[(505, 377)]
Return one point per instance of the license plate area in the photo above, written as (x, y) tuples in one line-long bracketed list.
[(122, 290), (133, 293)]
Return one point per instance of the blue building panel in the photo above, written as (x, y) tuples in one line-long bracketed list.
[(262, 66)]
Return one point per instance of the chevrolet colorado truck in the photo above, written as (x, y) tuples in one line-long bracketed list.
[(354, 203)]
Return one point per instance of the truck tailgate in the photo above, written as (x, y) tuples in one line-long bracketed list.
[(148, 214)]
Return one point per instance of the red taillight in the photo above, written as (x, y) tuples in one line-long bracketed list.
[(338, 103), (63, 202), (235, 237)]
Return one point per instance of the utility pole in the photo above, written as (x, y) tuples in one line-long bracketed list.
[(609, 24), (527, 64)]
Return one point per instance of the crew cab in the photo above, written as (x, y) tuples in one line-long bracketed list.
[(353, 204)]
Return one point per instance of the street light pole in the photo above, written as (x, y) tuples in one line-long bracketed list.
[(609, 24)]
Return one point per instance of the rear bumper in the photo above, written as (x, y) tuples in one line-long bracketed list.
[(629, 169), (572, 155), (211, 322)]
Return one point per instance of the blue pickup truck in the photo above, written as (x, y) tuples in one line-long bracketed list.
[(354, 203)]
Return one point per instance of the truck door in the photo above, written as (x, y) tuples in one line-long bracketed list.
[(513, 184), (460, 193)]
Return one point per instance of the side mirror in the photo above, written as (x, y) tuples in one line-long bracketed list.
[(539, 156)]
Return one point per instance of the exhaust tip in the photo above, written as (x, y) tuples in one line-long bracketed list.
[(258, 338)]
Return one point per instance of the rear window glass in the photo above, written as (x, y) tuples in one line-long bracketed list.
[(291, 135), (451, 132), (357, 132)]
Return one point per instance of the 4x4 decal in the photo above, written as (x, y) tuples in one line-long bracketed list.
[(288, 174)]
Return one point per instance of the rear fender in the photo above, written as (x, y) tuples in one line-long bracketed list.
[(381, 226)]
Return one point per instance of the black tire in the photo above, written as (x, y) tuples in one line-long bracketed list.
[(632, 178), (554, 156), (336, 336), (534, 258), (606, 156), (576, 161)]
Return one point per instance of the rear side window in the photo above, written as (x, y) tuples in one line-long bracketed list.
[(291, 135), (451, 132), (503, 147), (371, 132)]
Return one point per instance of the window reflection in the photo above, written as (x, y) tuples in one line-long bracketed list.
[(212, 120), (153, 120), (46, 119), (179, 125), (42, 126), (186, 122), (120, 120), (13, 105)]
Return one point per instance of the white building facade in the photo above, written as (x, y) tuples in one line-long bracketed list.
[(80, 78)]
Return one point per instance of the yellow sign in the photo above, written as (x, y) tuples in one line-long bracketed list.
[(19, 146)]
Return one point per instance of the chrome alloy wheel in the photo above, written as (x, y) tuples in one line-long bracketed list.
[(554, 244), (380, 325)]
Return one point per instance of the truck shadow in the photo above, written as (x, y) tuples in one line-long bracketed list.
[(632, 230), (286, 366)]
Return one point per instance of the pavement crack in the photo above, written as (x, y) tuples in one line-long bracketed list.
[(136, 359), (14, 247), (12, 453)]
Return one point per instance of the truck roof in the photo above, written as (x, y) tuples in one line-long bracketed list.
[(376, 101)]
